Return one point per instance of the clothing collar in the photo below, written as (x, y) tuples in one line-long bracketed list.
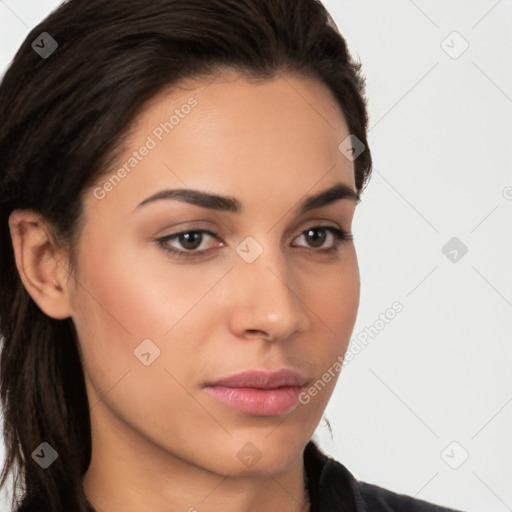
[(331, 487)]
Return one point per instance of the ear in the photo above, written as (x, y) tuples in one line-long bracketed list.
[(42, 265)]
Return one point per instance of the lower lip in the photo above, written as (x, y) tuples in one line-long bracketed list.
[(261, 402)]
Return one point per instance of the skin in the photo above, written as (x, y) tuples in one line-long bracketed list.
[(160, 441)]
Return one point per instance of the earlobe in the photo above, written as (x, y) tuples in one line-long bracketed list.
[(40, 263)]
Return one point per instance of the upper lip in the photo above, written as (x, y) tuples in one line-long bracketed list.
[(261, 379)]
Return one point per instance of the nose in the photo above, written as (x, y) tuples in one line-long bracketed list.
[(267, 301)]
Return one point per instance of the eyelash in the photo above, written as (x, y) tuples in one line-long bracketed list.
[(339, 234)]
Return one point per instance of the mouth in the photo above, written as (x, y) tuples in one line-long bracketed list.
[(258, 392)]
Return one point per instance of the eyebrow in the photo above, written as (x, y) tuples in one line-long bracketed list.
[(230, 204)]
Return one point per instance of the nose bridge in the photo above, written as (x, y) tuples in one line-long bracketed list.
[(267, 295)]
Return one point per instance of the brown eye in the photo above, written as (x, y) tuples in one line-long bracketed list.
[(190, 240), (316, 236), (185, 243)]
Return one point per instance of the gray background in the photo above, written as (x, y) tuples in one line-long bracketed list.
[(433, 386)]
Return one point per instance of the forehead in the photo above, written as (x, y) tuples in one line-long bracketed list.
[(237, 137), (284, 109)]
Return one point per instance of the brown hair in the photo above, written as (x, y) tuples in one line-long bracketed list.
[(63, 119)]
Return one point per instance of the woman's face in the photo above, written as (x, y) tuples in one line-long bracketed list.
[(256, 290)]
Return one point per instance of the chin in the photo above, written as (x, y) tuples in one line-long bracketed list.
[(259, 454)]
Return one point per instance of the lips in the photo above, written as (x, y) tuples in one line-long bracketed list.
[(261, 379), (259, 392)]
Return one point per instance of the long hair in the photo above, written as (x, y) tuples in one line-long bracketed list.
[(64, 118)]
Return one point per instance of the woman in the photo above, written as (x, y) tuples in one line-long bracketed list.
[(179, 281)]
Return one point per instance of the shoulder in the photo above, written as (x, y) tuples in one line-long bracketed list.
[(332, 487), (378, 499)]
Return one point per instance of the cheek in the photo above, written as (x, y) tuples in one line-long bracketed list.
[(118, 311), (136, 292), (333, 299), (124, 298), (333, 295)]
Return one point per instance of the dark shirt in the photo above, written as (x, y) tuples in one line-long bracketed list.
[(332, 488)]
